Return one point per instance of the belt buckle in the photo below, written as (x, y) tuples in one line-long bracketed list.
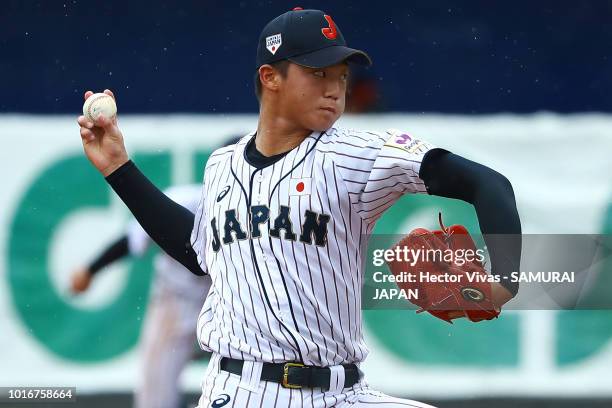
[(285, 382)]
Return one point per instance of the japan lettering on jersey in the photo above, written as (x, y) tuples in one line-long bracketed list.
[(284, 244)]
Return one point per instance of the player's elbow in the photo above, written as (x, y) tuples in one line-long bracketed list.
[(496, 184), (505, 185)]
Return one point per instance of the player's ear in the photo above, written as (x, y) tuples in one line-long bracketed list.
[(269, 77)]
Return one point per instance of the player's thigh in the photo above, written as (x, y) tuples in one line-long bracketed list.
[(367, 398)]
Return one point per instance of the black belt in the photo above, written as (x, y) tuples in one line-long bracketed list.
[(295, 375)]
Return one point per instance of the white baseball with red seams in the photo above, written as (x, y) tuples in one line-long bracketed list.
[(99, 104)]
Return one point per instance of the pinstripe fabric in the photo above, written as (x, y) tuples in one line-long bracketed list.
[(284, 247), (279, 293), (221, 386)]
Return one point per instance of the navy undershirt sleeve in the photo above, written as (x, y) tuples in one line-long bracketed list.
[(448, 175), (167, 223), (113, 252)]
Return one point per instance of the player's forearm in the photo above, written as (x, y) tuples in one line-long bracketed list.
[(500, 223), (167, 223), (112, 253), (449, 175)]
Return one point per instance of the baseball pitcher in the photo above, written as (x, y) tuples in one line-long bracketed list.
[(282, 225)]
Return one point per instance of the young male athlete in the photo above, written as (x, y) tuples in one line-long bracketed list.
[(282, 221)]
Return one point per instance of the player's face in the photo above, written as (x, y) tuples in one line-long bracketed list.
[(314, 98)]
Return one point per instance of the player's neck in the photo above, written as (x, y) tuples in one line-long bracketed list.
[(276, 134)]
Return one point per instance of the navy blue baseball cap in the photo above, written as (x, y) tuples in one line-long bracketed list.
[(309, 38)]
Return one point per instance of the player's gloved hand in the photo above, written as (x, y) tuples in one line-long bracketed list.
[(469, 294), (81, 279), (103, 141)]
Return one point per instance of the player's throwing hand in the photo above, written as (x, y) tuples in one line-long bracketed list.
[(81, 279), (103, 141)]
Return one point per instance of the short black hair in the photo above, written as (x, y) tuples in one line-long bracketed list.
[(281, 66)]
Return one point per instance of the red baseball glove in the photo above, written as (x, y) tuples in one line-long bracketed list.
[(450, 284)]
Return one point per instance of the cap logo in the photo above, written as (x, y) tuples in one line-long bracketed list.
[(330, 32), (273, 43)]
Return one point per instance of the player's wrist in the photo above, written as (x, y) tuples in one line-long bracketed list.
[(91, 271), (500, 295), (111, 168)]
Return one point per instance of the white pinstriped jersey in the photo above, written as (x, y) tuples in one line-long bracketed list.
[(284, 244)]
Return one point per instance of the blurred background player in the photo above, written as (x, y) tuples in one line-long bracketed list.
[(168, 335)]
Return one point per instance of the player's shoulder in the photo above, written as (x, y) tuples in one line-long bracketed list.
[(349, 142), (353, 137), (225, 152), (339, 138), (219, 155)]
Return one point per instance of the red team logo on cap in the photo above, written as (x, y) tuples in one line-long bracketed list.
[(330, 32)]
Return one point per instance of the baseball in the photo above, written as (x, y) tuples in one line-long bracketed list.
[(99, 104)]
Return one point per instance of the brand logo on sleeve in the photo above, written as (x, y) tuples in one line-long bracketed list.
[(403, 141)]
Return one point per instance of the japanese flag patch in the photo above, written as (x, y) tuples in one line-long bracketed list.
[(299, 186), (273, 43)]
